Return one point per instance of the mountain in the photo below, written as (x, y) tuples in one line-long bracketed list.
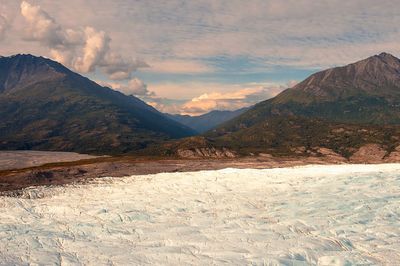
[(367, 91), (205, 122), (340, 109), (45, 106)]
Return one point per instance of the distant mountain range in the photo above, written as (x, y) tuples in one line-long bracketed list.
[(205, 122), (339, 109), (45, 106)]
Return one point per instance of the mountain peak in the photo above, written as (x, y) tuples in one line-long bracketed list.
[(20, 70), (386, 55), (380, 64), (43, 105), (35, 60), (383, 57), (376, 76)]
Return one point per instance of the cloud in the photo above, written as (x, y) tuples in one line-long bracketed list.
[(97, 45), (297, 32), (119, 68), (134, 87), (201, 46), (229, 101), (294, 33), (165, 105), (292, 83), (83, 49), (180, 67), (245, 96), (301, 33), (4, 26), (41, 26)]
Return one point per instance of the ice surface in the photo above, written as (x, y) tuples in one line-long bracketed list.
[(313, 215)]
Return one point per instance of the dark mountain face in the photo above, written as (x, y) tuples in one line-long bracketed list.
[(19, 71), (43, 105), (377, 76), (340, 109), (366, 92), (208, 121)]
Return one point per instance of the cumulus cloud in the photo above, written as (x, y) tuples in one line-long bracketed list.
[(215, 43), (238, 96), (241, 97), (4, 25), (299, 33), (83, 49), (165, 105), (229, 101), (134, 87), (41, 26), (94, 51), (119, 68)]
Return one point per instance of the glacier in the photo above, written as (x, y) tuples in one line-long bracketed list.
[(308, 215)]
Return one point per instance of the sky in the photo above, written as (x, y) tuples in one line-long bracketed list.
[(191, 57)]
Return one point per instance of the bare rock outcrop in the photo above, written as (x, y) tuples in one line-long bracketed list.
[(370, 153), (330, 154), (209, 152), (394, 156)]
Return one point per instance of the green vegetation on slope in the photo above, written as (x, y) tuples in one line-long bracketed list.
[(71, 113), (341, 109)]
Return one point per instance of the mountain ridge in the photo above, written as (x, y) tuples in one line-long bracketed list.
[(207, 121), (47, 106), (344, 99), (339, 109), (360, 77)]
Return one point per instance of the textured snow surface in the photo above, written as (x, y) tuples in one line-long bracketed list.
[(324, 215)]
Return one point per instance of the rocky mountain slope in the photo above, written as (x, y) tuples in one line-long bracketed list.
[(340, 109), (45, 106), (367, 91)]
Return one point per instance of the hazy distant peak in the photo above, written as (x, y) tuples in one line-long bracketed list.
[(207, 121)]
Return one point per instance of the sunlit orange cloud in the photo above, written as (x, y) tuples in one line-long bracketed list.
[(228, 101), (235, 98)]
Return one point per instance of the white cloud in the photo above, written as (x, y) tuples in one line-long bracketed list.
[(84, 50), (119, 68), (299, 32), (201, 38), (134, 87), (238, 97), (97, 45), (41, 26), (235, 97), (165, 105), (230, 101), (4, 26)]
